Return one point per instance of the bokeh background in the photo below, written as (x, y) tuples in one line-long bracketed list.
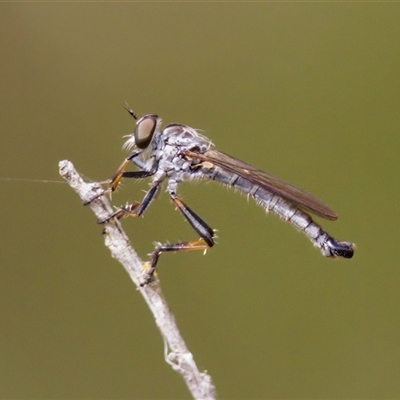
[(306, 91)]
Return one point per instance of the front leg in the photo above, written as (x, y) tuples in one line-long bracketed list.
[(119, 174)]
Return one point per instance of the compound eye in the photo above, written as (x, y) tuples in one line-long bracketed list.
[(144, 130)]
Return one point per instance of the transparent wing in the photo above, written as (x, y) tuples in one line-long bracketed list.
[(268, 182)]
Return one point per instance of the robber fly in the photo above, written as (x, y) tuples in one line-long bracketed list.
[(178, 152)]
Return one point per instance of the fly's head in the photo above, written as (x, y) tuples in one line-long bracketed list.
[(147, 127)]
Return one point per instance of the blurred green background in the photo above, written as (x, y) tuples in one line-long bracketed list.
[(306, 91)]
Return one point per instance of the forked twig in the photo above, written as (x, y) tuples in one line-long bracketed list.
[(176, 353)]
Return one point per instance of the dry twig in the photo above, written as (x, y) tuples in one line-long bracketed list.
[(176, 352)]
